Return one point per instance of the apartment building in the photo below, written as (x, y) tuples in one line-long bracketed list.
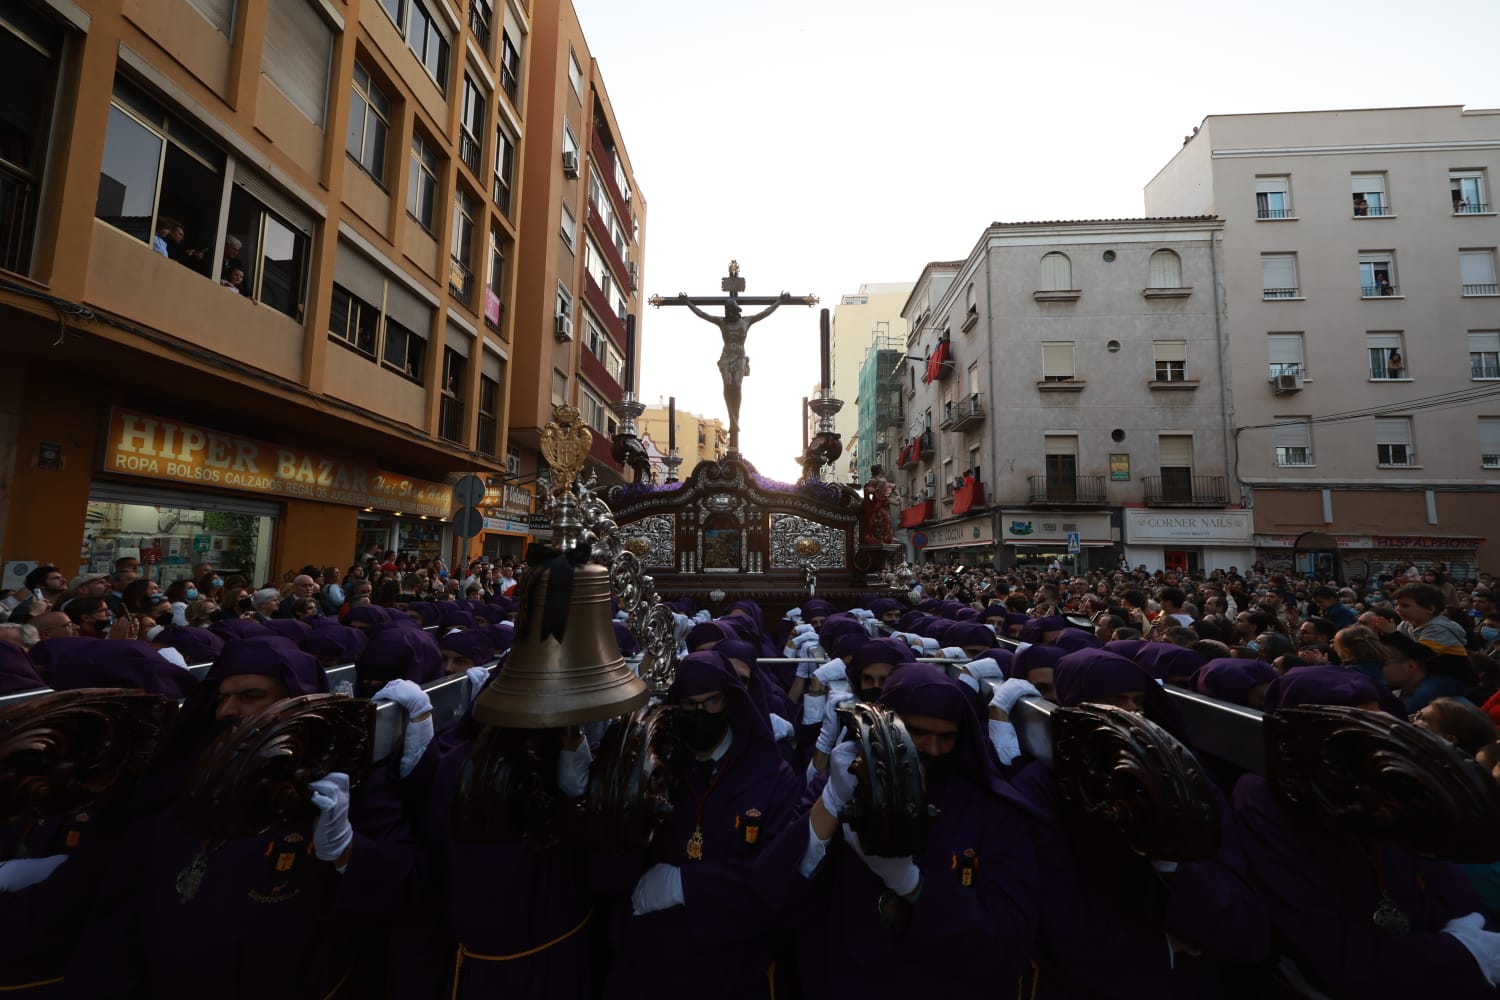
[(581, 248), (1064, 400), (1359, 262), (254, 276), (858, 319), (699, 439)]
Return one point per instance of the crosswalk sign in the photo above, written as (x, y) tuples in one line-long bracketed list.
[(1075, 543)]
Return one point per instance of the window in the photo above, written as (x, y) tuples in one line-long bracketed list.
[(1278, 276), (471, 122), (428, 41), (1393, 441), (1387, 360), (510, 65), (1273, 197), (1369, 194), (494, 285), (971, 305), (569, 142), (369, 125), (1377, 274), (1057, 361), (404, 350), (1284, 351), (569, 228), (575, 75), (377, 316), (599, 345), (1484, 354), (621, 181), (1175, 451), (1469, 192), (295, 58), (489, 414), (594, 412), (564, 301), (1062, 467), (600, 200), (1293, 437), (354, 321), (421, 195), (614, 363), (559, 387), (622, 242), (1057, 273), (1171, 360), (269, 241), (593, 265), (505, 167), (460, 275), (219, 13), (1489, 442), (1166, 269), (1476, 270), (451, 403), (481, 13), (31, 51)]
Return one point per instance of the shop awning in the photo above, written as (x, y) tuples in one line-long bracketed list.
[(916, 514), (968, 496)]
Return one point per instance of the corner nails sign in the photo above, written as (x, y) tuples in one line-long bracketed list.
[(156, 448)]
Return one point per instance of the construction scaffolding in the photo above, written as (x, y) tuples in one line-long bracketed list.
[(880, 411)]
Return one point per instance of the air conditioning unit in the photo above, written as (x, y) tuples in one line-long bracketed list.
[(1287, 383), (513, 464), (930, 479), (570, 163), (929, 492), (563, 329)]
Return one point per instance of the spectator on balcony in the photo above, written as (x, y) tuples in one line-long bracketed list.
[(1394, 363), (234, 262), (1361, 205), (165, 227), (233, 280)]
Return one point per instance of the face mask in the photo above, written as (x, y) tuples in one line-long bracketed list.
[(700, 730), (869, 694), (1253, 646), (103, 625), (218, 581), (936, 769), (1490, 633), (191, 595)]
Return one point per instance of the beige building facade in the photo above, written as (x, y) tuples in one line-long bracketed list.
[(858, 319), (699, 439), (1359, 265)]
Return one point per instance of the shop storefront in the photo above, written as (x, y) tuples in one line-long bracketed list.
[(507, 529), (175, 495), (969, 541), (1189, 541), (1035, 538), (1344, 556)]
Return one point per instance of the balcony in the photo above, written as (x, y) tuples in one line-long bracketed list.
[(1482, 289), (925, 445), (1079, 491), (940, 364), (1484, 368), (18, 202), (614, 323), (470, 151), (500, 191), (604, 166), (1378, 291), (965, 413), (1185, 490), (914, 515), (460, 280), (1280, 293), (1274, 213), (605, 240), (1374, 211), (968, 497), (479, 24), (451, 419), (1471, 208)]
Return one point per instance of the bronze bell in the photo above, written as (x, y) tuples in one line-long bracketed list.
[(547, 683)]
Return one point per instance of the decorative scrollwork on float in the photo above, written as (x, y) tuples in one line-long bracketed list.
[(62, 751), (789, 535), (631, 790), (1373, 774), (256, 774), (1125, 773), (890, 811), (653, 540)]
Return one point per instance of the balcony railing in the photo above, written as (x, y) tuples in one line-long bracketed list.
[(500, 190), (1362, 211), (1273, 213), (965, 413), (451, 419), (1484, 369), (470, 150), (1279, 368), (479, 23), (1080, 490), (460, 280), (1470, 208), (17, 220), (1376, 291), (1279, 293), (1482, 289), (1185, 491)]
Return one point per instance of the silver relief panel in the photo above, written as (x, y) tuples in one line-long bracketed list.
[(659, 535), (786, 529)]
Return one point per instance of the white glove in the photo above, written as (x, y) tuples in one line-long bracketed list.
[(804, 639), (332, 835), (780, 728), (839, 791), (812, 708), (833, 673), (703, 617), (23, 873), (1168, 867), (801, 629), (179, 614), (1482, 944), (414, 701), (477, 676), (953, 653), (900, 875), (660, 888), (969, 681), (1012, 691), (573, 770), (1004, 739), (795, 615), (986, 668), (929, 646), (804, 669), (828, 736)]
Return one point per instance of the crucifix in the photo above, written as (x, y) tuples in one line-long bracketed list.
[(734, 365)]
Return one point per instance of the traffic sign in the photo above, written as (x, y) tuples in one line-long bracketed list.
[(467, 522), (468, 491), (1075, 543), (919, 540)]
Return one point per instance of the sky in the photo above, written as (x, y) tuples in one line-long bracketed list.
[(826, 144)]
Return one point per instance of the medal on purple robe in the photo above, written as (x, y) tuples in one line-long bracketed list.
[(695, 842), (190, 879), (1388, 916)]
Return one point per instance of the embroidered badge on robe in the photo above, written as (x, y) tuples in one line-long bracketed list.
[(966, 865), (749, 826)]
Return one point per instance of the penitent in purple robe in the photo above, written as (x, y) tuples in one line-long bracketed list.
[(720, 943)]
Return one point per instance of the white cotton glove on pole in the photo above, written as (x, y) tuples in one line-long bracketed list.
[(1012, 691), (986, 668), (833, 674), (410, 697), (839, 791), (828, 736), (812, 708), (900, 875), (477, 677), (332, 835), (660, 888), (573, 770), (1482, 944), (1004, 739), (703, 617), (23, 873), (781, 729), (954, 653)]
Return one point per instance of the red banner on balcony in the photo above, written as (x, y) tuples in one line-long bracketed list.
[(968, 496), (936, 361), (916, 514)]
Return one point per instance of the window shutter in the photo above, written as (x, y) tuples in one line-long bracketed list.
[(1383, 341), (1170, 350), (1166, 269), (220, 14), (1278, 271), (407, 309), (1392, 430), (1480, 343), (1057, 359), (299, 44), (1176, 451), (1061, 444), (491, 366), (1295, 432), (1057, 273), (1476, 267), (1284, 348), (1368, 184), (1271, 185), (258, 188), (1489, 435), (359, 275)]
